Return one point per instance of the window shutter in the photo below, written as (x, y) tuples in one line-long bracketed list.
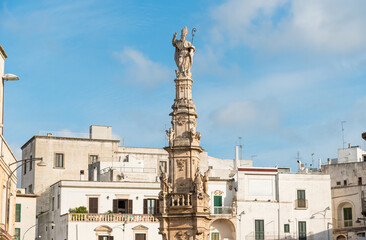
[(100, 237), (130, 206), (115, 205), (18, 210), (145, 206), (110, 238), (157, 206), (93, 205)]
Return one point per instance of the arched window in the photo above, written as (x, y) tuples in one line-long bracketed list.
[(345, 215)]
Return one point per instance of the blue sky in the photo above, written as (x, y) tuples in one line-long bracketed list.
[(280, 74)]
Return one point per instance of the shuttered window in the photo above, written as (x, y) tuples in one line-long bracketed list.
[(347, 217), (287, 228), (151, 206), (17, 233), (218, 204), (122, 206), (105, 237), (302, 230), (259, 229), (215, 236), (140, 236), (18, 210), (59, 161), (301, 199), (93, 205)]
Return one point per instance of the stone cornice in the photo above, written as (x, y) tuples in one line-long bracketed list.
[(2, 52)]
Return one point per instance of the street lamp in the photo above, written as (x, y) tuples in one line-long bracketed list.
[(23, 161), (242, 213), (359, 220), (6, 77), (52, 224)]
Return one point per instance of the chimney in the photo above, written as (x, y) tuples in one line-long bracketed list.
[(236, 161), (81, 175), (319, 163)]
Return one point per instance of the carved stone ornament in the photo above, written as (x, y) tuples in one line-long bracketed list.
[(218, 193), (180, 164), (181, 121), (182, 235)]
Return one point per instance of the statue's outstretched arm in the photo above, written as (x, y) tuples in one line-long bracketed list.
[(174, 39)]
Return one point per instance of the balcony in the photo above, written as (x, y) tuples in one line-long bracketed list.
[(301, 204), (180, 200), (4, 235), (104, 217), (222, 210), (344, 223)]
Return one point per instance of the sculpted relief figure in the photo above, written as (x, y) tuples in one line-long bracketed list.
[(183, 55), (164, 185), (198, 181), (171, 135)]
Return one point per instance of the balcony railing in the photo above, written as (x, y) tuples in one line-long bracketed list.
[(180, 200), (104, 217), (221, 210), (301, 204), (344, 223)]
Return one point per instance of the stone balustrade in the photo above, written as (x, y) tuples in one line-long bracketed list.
[(180, 200), (104, 217)]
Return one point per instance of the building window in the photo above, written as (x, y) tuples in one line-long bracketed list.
[(25, 167), (122, 206), (30, 163), (17, 233), (347, 217), (215, 236), (345, 182), (360, 181), (53, 203), (217, 204), (151, 206), (59, 161), (30, 189), (302, 230), (140, 236), (163, 166), (58, 201), (301, 199), (18, 210), (259, 229), (287, 228), (93, 159), (93, 205), (105, 237), (338, 183)]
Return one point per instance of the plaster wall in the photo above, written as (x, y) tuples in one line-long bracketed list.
[(281, 208), (28, 215), (76, 157)]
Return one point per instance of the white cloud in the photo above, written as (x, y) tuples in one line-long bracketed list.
[(140, 69), (248, 115), (329, 25)]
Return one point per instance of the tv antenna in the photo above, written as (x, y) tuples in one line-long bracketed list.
[(342, 124)]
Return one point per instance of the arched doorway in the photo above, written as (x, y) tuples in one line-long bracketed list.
[(341, 237), (222, 229)]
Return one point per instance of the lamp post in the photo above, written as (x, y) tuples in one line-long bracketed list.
[(123, 228), (23, 161), (242, 213), (52, 224), (6, 77)]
